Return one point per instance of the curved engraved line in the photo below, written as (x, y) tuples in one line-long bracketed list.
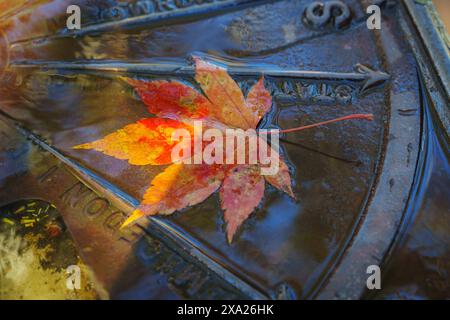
[(423, 164), (381, 254), (360, 251)]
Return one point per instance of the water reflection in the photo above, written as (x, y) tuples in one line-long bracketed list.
[(419, 266)]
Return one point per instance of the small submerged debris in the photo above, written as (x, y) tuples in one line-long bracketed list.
[(35, 251)]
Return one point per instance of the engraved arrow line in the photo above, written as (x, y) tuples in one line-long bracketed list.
[(127, 203), (367, 77)]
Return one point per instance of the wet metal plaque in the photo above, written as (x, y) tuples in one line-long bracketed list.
[(352, 94)]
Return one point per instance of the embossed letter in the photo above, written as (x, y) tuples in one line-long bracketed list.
[(374, 280), (74, 20), (74, 279), (374, 21)]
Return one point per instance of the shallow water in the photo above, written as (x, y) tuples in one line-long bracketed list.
[(285, 243), (419, 265)]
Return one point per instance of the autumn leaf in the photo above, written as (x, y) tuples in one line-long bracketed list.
[(241, 192), (282, 179), (172, 99), (176, 105), (224, 93), (258, 102), (177, 187), (149, 141)]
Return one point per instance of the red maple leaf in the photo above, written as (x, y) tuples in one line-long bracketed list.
[(177, 105)]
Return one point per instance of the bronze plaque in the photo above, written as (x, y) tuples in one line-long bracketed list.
[(352, 182)]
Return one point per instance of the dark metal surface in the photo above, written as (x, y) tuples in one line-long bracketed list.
[(353, 182)]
